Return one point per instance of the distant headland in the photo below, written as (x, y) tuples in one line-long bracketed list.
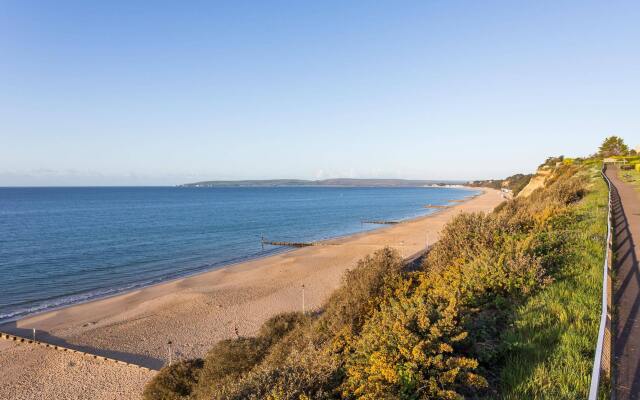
[(337, 182)]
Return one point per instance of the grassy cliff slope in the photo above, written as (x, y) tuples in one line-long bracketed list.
[(506, 305)]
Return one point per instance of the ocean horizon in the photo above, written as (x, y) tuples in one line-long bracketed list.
[(66, 245)]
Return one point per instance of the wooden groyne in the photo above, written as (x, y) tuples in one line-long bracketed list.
[(380, 222), (20, 339), (436, 206), (289, 244)]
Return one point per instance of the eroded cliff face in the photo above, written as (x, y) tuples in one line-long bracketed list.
[(536, 182)]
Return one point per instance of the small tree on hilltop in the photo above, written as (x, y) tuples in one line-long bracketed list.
[(613, 146)]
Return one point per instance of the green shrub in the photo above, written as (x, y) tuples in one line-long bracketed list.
[(295, 355), (552, 162), (230, 359), (354, 301), (462, 238), (435, 333), (174, 382), (406, 351), (310, 372)]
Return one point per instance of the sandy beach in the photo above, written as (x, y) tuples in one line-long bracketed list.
[(193, 312)]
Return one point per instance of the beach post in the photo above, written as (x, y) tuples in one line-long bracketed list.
[(34, 334), (170, 352), (303, 310)]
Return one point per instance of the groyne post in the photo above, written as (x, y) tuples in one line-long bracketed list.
[(380, 222), (303, 305), (289, 244)]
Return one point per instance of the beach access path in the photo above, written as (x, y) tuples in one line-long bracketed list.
[(196, 312), (626, 287)]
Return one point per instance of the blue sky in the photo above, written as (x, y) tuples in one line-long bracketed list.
[(136, 92)]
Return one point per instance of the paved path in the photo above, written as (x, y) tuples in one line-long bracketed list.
[(626, 291)]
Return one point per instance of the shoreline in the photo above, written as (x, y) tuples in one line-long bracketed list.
[(142, 286), (230, 264), (197, 311), (194, 312)]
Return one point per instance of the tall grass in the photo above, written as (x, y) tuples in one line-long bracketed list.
[(552, 340)]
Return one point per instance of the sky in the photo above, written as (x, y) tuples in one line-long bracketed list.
[(162, 93)]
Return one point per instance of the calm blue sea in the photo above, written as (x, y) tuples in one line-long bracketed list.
[(60, 246)]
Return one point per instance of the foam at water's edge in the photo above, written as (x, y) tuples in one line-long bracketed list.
[(105, 293), (73, 225)]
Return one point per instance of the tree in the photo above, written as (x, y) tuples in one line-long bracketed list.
[(613, 146)]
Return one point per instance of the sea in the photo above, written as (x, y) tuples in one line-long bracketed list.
[(61, 246)]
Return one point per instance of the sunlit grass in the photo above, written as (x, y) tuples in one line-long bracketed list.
[(552, 341), (630, 176)]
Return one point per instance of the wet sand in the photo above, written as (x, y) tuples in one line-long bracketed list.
[(197, 311)]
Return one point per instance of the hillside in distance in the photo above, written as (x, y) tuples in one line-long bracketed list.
[(337, 182)]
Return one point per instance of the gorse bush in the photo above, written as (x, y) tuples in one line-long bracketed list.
[(462, 238), (230, 359), (390, 333), (174, 382), (406, 350)]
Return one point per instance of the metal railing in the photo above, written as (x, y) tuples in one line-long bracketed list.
[(601, 361)]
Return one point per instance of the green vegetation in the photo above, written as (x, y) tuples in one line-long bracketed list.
[(552, 162), (632, 176), (554, 330), (505, 306), (613, 146), (176, 381), (515, 183)]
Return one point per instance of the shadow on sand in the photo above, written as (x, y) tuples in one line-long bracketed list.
[(45, 337)]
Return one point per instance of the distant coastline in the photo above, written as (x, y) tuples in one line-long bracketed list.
[(338, 182), (198, 231)]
